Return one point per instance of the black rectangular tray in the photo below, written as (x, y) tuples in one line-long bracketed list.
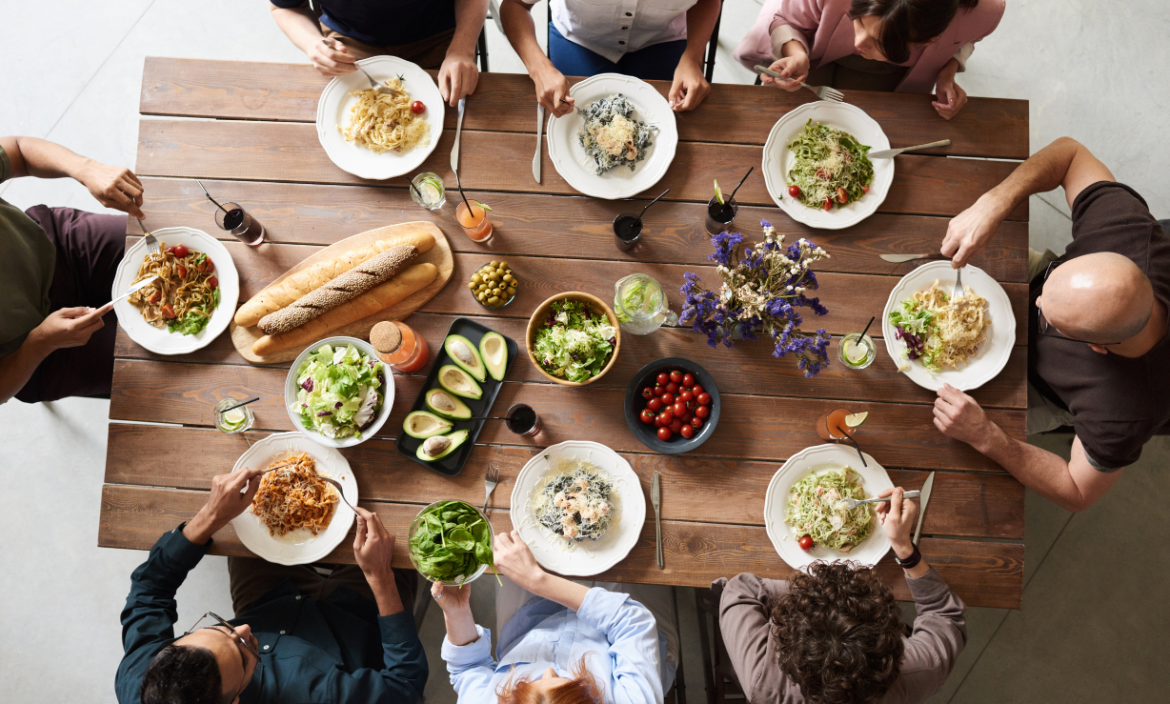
[(452, 464)]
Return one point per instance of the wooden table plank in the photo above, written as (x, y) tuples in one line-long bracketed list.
[(981, 573), (750, 427), (276, 151), (988, 127), (541, 225), (962, 504)]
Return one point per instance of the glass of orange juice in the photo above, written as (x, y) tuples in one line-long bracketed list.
[(839, 426), (474, 221)]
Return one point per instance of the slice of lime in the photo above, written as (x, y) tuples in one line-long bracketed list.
[(854, 352), (718, 193), (484, 206), (430, 193), (855, 419)]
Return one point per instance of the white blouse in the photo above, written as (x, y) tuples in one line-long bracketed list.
[(612, 28)]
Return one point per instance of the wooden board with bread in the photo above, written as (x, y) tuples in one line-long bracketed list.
[(344, 289)]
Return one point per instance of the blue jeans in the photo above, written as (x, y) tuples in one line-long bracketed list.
[(655, 62)]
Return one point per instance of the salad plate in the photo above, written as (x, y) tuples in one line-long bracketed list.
[(992, 356), (576, 167), (160, 340), (588, 557), (553, 346), (298, 547), (778, 159), (820, 458), (329, 418)]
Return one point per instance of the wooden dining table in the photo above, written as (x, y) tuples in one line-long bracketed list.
[(247, 131)]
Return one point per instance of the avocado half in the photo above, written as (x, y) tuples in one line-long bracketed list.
[(463, 353), (458, 382), (493, 349), (446, 405), (422, 424), (448, 444)]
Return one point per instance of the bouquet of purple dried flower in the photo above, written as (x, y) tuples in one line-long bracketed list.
[(763, 288)]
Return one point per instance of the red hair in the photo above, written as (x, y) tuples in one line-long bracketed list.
[(581, 689)]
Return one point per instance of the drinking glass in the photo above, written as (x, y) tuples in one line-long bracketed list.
[(627, 229), (720, 216), (522, 420), (857, 351), (428, 191), (641, 305), (475, 222), (234, 421), (234, 219)]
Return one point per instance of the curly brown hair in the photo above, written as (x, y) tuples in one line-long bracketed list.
[(839, 634)]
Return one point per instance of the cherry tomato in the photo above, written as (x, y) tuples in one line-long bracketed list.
[(663, 378), (182, 271), (865, 189), (654, 404), (696, 423), (824, 175), (692, 404), (664, 434), (657, 422), (647, 392), (206, 266), (842, 196), (686, 395), (168, 312), (679, 408), (828, 204), (704, 399), (676, 425), (213, 282), (696, 389), (676, 376), (665, 417), (685, 417), (672, 388), (687, 431), (794, 191), (667, 398), (181, 251), (659, 389), (155, 297), (702, 411), (688, 380), (806, 542), (417, 107), (647, 416)]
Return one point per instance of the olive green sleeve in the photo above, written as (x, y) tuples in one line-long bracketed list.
[(5, 166)]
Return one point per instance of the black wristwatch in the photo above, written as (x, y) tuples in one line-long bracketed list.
[(910, 562)]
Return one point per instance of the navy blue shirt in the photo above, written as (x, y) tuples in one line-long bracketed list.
[(385, 23), (335, 650)]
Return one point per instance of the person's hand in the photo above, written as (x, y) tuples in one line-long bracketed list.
[(458, 77), (451, 599), (898, 517), (113, 186), (68, 327), (950, 97), (794, 67), (231, 493), (959, 416), (515, 561), (373, 547), (330, 58), (689, 87), (551, 89), (970, 231)]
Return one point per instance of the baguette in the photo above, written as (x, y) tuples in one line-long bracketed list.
[(279, 295), (379, 298), (348, 286)]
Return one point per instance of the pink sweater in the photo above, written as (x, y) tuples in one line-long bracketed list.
[(825, 29)]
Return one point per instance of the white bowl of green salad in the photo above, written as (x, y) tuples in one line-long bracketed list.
[(573, 338), (338, 393)]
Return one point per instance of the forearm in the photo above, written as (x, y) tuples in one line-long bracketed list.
[(948, 71), (1042, 172), (792, 48), (386, 594), (461, 626), (36, 157), (298, 24), (558, 589), (469, 18), (701, 20), (17, 368), (1039, 470), (521, 32)]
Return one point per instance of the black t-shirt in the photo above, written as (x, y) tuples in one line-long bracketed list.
[(1117, 403), (383, 22)]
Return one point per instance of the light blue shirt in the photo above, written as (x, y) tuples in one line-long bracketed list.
[(618, 637)]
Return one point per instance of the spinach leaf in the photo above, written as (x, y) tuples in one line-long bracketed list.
[(451, 541)]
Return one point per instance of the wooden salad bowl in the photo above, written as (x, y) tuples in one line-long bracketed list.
[(541, 314)]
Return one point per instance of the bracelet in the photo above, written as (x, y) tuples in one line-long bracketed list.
[(910, 562)]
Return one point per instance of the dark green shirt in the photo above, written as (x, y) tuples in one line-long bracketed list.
[(28, 258), (333, 650)]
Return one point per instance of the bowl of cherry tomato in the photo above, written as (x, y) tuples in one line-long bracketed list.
[(672, 405)]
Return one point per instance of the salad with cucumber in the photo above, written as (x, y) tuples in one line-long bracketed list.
[(340, 391), (574, 343)]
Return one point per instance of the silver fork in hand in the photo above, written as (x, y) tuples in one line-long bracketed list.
[(489, 483), (340, 492), (151, 242), (378, 87), (854, 503), (823, 92)]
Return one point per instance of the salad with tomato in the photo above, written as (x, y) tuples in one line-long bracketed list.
[(185, 293)]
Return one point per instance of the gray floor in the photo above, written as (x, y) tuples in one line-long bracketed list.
[(1094, 601)]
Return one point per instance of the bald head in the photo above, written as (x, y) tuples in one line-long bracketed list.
[(1102, 297)]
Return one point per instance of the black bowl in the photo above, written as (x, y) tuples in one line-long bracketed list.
[(647, 433)]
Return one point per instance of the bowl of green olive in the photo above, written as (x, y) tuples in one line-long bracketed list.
[(493, 284)]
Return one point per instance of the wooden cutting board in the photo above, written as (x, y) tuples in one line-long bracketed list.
[(440, 256)]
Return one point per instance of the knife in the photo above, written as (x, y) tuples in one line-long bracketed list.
[(539, 131), (136, 287), (458, 134), (899, 258), (656, 501), (890, 153), (924, 497)]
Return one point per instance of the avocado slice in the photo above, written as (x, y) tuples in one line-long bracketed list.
[(458, 382), (493, 349), (463, 353), (422, 424), (446, 405), (439, 446)]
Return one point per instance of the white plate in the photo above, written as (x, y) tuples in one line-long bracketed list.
[(300, 546), (992, 355), (778, 160), (568, 156), (819, 458), (159, 340), (588, 558), (291, 387), (333, 110)]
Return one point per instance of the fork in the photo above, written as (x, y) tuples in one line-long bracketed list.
[(957, 290), (489, 483), (340, 492), (151, 242), (376, 85), (851, 504), (823, 92)]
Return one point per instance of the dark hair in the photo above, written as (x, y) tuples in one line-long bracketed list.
[(182, 674), (906, 22), (839, 634)]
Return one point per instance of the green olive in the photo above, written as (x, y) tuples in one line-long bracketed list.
[(503, 264), (508, 277), (493, 301), (511, 291), (480, 296), (493, 264)]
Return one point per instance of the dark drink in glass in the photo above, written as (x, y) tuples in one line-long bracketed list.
[(522, 420), (627, 228), (719, 216), (234, 219)]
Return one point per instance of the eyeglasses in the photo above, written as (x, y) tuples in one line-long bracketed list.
[(241, 644), (1043, 326)]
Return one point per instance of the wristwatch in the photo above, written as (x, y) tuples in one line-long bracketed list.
[(910, 562)]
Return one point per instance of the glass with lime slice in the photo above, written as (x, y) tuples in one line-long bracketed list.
[(857, 351), (428, 191), (721, 212), (233, 420)]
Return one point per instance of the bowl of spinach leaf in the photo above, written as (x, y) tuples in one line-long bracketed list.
[(451, 542)]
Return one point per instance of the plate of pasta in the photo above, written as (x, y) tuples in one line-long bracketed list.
[(192, 301), (295, 517), (379, 136), (803, 499), (816, 166), (936, 341), (580, 508)]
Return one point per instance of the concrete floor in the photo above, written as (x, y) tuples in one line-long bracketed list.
[(1094, 608)]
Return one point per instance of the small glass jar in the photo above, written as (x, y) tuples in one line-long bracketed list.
[(428, 191), (399, 346), (234, 421), (857, 351), (720, 215)]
